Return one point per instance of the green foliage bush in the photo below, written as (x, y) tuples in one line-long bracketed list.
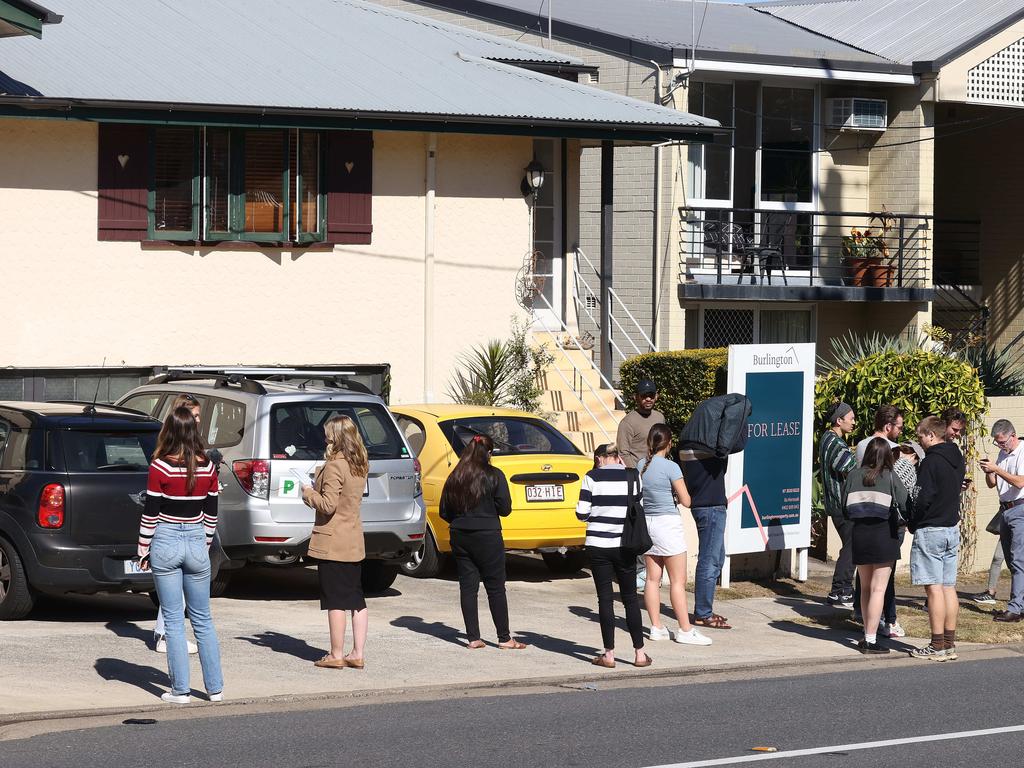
[(919, 383), (684, 378)]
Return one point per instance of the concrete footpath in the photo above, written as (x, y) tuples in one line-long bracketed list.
[(90, 653)]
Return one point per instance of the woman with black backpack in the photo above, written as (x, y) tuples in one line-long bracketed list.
[(604, 510)]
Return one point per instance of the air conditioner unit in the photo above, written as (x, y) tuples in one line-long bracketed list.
[(857, 114)]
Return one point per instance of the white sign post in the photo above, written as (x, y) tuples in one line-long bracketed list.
[(769, 484)]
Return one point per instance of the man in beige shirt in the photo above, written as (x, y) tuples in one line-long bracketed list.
[(636, 425)]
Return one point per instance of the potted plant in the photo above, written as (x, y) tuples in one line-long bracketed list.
[(866, 253)]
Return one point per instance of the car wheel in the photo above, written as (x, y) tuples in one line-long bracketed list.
[(567, 562), (426, 562), (154, 598), (219, 583), (378, 576), (16, 598)]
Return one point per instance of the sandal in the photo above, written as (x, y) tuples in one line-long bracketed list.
[(714, 621), (645, 663), (330, 663), (601, 661), (513, 645), (474, 644)]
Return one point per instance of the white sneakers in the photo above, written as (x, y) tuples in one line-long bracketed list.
[(660, 633), (161, 645), (693, 637), (891, 630), (184, 698)]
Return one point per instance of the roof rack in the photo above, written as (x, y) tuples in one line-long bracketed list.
[(248, 378), (90, 407)]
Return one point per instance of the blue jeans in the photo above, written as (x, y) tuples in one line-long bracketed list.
[(710, 557), (181, 568)]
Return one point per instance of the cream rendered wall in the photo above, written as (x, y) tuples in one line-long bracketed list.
[(952, 79), (73, 301)]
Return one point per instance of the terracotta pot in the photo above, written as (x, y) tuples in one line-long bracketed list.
[(859, 270), (879, 275)]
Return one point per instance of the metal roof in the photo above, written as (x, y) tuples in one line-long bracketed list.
[(344, 56), (905, 31), (723, 31)]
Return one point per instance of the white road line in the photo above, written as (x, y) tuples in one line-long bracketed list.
[(844, 748)]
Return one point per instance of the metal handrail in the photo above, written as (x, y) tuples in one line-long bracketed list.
[(576, 368), (651, 344)]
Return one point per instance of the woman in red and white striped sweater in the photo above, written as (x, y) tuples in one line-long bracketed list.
[(174, 538)]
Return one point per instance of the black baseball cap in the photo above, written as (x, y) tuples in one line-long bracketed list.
[(646, 386)]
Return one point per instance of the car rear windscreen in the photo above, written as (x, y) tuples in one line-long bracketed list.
[(297, 429), (97, 451), (510, 435)]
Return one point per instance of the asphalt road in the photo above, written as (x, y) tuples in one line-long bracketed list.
[(624, 724)]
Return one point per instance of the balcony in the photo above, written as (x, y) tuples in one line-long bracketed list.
[(769, 255)]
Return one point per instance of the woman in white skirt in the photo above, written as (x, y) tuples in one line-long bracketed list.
[(664, 487)]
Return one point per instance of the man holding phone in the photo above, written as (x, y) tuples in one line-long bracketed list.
[(1006, 474)]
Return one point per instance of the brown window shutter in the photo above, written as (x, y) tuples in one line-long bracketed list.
[(349, 184), (122, 182)]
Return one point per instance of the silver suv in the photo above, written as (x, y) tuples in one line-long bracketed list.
[(270, 433)]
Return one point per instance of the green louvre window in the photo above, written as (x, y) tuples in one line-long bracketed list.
[(255, 185)]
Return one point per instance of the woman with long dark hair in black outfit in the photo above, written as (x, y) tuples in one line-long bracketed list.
[(473, 500)]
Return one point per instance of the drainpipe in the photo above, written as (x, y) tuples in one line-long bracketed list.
[(656, 298), (428, 270)]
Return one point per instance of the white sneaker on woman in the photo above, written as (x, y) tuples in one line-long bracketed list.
[(693, 637), (660, 633), (161, 645), (176, 698)]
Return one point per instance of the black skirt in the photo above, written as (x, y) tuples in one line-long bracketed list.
[(341, 586), (875, 541)]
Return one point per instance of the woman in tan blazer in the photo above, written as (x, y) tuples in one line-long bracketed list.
[(337, 541)]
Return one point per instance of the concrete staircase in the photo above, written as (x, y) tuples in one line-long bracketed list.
[(568, 380)]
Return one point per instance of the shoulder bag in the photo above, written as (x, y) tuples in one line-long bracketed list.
[(635, 537)]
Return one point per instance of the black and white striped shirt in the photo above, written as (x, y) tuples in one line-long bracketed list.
[(604, 500)]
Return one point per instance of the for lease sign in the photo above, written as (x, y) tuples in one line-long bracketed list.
[(769, 484)]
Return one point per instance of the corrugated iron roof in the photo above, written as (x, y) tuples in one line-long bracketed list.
[(723, 30), (338, 55), (905, 31)]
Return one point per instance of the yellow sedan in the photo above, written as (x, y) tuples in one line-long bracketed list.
[(543, 468)]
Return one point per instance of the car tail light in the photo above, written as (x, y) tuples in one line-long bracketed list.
[(51, 506), (254, 476), (418, 490)]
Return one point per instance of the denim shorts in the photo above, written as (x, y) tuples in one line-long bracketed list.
[(934, 556)]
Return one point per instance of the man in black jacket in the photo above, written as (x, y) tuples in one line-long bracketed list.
[(935, 523)]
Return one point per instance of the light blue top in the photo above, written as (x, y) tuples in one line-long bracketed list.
[(657, 483)]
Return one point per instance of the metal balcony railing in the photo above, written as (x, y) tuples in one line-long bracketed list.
[(745, 246)]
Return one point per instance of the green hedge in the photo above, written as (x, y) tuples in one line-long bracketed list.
[(684, 378), (918, 383)]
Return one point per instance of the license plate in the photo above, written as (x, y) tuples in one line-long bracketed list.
[(131, 568), (545, 493)]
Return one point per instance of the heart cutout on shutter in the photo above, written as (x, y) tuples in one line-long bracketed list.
[(349, 166), (123, 160)]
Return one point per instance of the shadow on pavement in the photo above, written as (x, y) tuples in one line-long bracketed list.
[(98, 608), (130, 630), (147, 678), (590, 614), (437, 629), (281, 643), (558, 645)]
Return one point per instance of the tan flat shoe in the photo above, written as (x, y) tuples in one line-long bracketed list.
[(328, 663), (355, 663)]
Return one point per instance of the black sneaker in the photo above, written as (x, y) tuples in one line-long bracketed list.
[(871, 648), (847, 600), (840, 598)]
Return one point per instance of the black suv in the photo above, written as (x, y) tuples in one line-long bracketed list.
[(72, 491)]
